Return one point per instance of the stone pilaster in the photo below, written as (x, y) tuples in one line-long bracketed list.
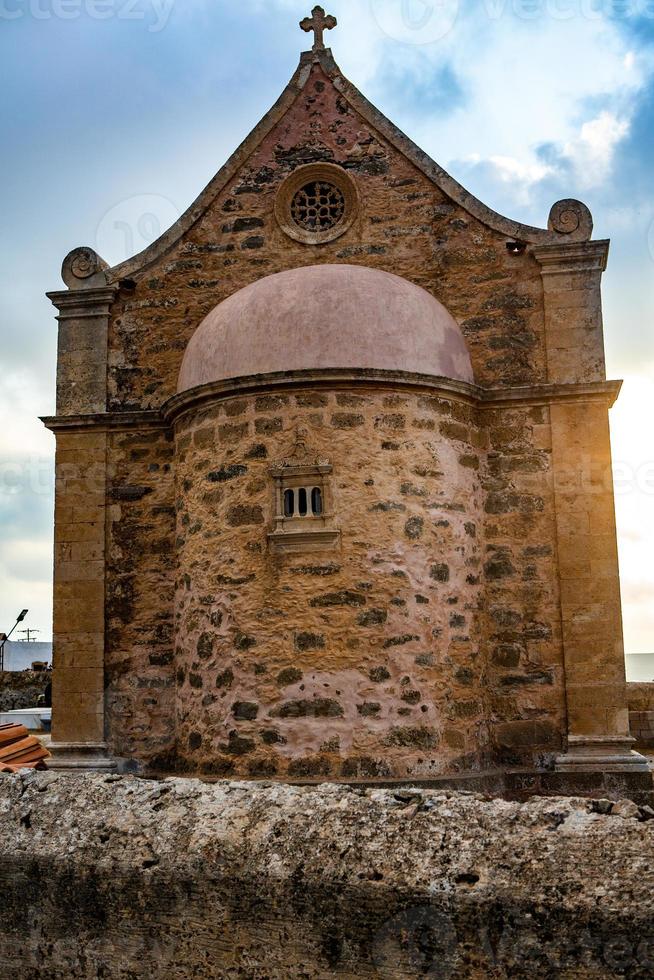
[(574, 339), (591, 612), (82, 350), (78, 726)]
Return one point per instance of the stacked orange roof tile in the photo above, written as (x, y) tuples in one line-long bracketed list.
[(20, 750)]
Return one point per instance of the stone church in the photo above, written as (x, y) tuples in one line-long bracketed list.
[(334, 493)]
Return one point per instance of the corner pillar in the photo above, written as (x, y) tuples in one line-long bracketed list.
[(78, 696), (591, 609)]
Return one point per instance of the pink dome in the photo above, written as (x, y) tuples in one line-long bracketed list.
[(326, 316)]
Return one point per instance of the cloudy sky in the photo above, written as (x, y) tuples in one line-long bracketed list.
[(116, 113)]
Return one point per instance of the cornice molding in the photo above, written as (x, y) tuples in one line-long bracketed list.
[(484, 399), (342, 378), (79, 303), (567, 257), (105, 422)]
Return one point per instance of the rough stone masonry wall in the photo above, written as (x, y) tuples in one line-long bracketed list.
[(522, 619), (140, 590), (22, 689), (368, 661), (116, 877)]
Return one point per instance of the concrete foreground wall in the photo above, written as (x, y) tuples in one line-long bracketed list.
[(109, 876)]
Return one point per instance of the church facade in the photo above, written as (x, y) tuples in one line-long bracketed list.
[(334, 491)]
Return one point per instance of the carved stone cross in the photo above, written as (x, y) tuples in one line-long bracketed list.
[(318, 23)]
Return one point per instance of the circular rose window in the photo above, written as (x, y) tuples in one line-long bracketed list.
[(317, 204)]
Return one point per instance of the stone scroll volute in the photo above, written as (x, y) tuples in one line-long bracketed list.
[(572, 220), (84, 269)]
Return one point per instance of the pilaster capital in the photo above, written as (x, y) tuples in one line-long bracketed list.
[(82, 303), (572, 257)]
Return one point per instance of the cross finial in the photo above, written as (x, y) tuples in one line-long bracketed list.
[(318, 23)]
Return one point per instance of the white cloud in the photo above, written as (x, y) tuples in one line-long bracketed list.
[(509, 169), (591, 152), (528, 80), (582, 163), (516, 177), (21, 432)]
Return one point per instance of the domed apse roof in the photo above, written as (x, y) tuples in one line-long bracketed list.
[(326, 316)]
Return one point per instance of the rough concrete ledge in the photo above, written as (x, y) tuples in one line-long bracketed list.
[(110, 876)]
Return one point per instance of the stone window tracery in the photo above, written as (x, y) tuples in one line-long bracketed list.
[(318, 206), (317, 203)]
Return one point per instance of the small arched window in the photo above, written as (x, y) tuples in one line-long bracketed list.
[(303, 508), (303, 502)]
